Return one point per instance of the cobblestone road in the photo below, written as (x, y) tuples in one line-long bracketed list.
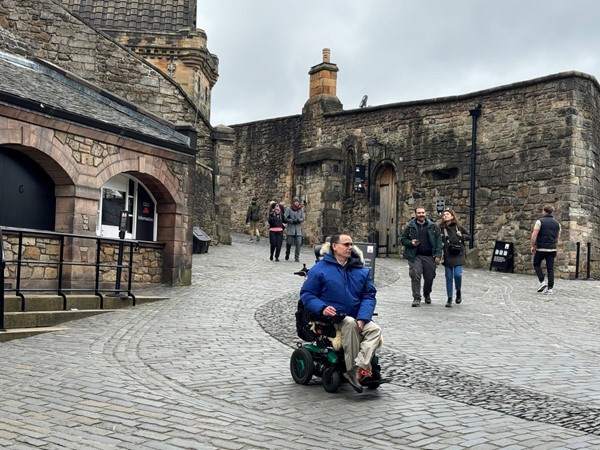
[(209, 368)]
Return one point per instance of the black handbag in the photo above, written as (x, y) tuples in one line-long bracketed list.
[(453, 249)]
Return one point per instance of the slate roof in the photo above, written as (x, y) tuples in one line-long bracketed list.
[(136, 15), (36, 87)]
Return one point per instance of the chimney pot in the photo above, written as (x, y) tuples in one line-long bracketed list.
[(326, 55)]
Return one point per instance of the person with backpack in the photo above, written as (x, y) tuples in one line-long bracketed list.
[(253, 217), (339, 284)]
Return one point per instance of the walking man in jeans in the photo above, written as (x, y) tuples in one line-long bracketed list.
[(423, 246), (544, 239)]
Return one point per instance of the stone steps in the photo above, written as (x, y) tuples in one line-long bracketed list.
[(43, 313)]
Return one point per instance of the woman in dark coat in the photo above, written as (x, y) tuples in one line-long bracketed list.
[(276, 231), (454, 237)]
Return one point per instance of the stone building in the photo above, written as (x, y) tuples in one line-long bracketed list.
[(531, 143), (97, 115)]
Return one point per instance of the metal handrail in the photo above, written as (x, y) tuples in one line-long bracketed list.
[(61, 264), (2, 265)]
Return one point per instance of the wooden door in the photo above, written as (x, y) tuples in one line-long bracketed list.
[(386, 222)]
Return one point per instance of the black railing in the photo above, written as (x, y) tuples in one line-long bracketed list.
[(60, 264)]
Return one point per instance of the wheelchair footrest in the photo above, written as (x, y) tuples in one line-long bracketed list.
[(368, 382)]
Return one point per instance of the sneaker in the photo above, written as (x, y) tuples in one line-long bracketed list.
[(542, 286), (352, 377), (458, 297), (549, 292), (364, 373), (449, 302), (271, 257), (428, 299), (416, 302)]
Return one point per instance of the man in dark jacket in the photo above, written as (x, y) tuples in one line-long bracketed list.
[(423, 246), (544, 240), (339, 283), (253, 217)]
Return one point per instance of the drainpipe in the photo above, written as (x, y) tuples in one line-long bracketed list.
[(475, 114)]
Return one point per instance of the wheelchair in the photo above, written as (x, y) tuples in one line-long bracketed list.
[(316, 357)]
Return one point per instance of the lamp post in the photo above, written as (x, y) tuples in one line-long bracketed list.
[(475, 114), (374, 148)]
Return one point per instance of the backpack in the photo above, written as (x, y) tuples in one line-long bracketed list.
[(303, 319)]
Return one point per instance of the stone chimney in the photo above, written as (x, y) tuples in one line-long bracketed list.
[(323, 84), (323, 77)]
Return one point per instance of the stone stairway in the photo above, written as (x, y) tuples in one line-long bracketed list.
[(45, 313)]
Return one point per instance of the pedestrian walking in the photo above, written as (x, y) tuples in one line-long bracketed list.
[(276, 228), (544, 242), (453, 238), (293, 217), (422, 243), (253, 217)]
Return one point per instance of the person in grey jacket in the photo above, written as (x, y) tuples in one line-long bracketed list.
[(294, 216)]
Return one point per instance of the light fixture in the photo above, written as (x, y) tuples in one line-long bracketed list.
[(374, 148)]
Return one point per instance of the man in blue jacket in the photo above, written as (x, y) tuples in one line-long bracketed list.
[(339, 283)]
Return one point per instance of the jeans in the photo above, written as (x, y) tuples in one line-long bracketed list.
[(453, 274), (537, 265), (422, 266)]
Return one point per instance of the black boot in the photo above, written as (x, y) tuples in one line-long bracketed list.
[(449, 302), (458, 297)]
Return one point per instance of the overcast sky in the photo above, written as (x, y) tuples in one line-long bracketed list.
[(390, 50)]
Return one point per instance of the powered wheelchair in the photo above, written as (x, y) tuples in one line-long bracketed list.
[(316, 356)]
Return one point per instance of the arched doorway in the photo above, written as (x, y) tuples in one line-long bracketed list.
[(386, 219), (124, 192), (27, 198)]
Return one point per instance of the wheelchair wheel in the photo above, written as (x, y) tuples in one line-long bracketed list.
[(331, 380), (302, 365)]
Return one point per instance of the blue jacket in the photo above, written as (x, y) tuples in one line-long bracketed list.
[(348, 289)]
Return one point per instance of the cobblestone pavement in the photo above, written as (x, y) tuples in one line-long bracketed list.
[(209, 368)]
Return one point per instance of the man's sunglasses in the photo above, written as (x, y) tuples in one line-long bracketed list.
[(345, 244)]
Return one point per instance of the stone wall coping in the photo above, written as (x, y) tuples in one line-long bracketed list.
[(472, 95)]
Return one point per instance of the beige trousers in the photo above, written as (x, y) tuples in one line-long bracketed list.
[(359, 347)]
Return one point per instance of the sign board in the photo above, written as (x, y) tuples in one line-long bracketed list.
[(123, 221), (368, 250), (360, 179), (503, 258)]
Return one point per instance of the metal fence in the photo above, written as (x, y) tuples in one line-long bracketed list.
[(62, 264)]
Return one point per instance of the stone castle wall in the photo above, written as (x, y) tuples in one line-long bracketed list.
[(537, 143)]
